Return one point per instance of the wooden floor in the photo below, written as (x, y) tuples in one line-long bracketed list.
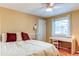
[(67, 53)]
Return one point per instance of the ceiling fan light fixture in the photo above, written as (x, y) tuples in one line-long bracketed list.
[(49, 9)]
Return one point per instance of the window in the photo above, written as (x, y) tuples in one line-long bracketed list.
[(61, 27)]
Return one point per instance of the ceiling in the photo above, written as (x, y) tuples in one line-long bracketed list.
[(39, 10)]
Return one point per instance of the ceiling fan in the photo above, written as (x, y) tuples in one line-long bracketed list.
[(50, 6), (47, 7)]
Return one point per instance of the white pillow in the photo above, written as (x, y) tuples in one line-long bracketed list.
[(19, 38), (0, 38), (4, 37)]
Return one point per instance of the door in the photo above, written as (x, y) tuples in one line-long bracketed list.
[(41, 30)]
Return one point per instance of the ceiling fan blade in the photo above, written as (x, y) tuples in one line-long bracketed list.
[(38, 9)]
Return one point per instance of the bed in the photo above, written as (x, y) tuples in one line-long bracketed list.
[(20, 44), (28, 48)]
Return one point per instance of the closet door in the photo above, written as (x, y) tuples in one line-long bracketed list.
[(41, 30)]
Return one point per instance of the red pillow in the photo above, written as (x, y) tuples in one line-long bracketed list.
[(11, 37), (25, 36)]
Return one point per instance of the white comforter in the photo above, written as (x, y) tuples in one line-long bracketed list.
[(27, 48)]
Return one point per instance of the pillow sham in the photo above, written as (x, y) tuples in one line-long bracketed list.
[(4, 37), (11, 37), (19, 38), (25, 36)]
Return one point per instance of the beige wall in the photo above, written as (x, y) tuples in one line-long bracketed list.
[(48, 29), (74, 25), (13, 21)]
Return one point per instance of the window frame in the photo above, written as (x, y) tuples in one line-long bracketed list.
[(69, 27)]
